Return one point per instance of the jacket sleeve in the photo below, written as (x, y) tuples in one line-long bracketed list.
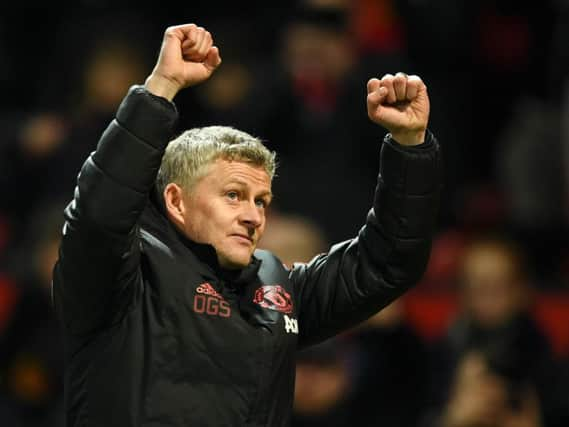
[(97, 272), (359, 277)]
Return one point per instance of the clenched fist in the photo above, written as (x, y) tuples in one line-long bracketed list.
[(400, 104), (187, 57)]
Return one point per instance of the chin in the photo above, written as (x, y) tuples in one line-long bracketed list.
[(234, 261)]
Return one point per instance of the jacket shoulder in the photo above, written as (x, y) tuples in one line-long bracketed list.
[(268, 257), (272, 268)]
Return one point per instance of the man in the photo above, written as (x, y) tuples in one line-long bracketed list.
[(170, 315)]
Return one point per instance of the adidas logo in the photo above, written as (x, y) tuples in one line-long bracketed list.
[(206, 288)]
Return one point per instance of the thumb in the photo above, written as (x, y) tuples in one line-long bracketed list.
[(212, 60), (171, 46)]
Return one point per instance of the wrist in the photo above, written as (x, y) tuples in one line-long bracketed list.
[(161, 86), (409, 138)]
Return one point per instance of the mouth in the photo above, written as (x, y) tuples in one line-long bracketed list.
[(243, 238)]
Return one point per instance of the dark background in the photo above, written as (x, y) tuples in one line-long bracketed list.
[(294, 74)]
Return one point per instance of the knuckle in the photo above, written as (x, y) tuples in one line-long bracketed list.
[(415, 79)]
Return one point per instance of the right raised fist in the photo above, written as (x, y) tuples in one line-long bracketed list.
[(187, 57)]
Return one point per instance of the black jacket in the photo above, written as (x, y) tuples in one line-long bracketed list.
[(157, 334)]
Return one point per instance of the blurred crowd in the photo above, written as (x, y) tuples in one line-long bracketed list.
[(294, 73)]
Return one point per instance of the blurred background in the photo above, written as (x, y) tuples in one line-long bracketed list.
[(482, 341)]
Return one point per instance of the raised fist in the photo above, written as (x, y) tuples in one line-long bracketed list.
[(400, 104), (187, 57)]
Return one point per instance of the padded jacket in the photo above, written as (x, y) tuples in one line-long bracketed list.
[(156, 334)]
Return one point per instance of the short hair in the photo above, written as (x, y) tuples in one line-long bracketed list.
[(188, 157)]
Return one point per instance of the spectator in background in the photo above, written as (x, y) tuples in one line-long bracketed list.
[(374, 375), (323, 394), (318, 108), (391, 370), (112, 65), (293, 238), (49, 147), (31, 353), (106, 77), (26, 160), (536, 195), (491, 390), (495, 318)]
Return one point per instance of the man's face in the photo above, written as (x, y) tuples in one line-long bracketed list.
[(226, 209)]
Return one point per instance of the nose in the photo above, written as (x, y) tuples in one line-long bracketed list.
[(251, 215)]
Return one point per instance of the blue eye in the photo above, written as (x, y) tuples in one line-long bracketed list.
[(232, 195), (261, 203)]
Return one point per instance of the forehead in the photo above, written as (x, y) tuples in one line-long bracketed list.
[(223, 172)]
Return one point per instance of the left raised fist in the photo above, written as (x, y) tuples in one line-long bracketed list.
[(400, 104)]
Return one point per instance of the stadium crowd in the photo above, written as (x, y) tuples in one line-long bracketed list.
[(483, 339)]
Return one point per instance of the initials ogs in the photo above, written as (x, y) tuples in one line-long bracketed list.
[(211, 305)]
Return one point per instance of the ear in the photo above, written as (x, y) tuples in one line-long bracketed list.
[(174, 203)]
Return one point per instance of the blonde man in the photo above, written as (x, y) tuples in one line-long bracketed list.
[(171, 317)]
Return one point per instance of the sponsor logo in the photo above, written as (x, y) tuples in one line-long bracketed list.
[(291, 325), (273, 297), (208, 301)]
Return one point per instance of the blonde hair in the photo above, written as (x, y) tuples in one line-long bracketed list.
[(188, 157)]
